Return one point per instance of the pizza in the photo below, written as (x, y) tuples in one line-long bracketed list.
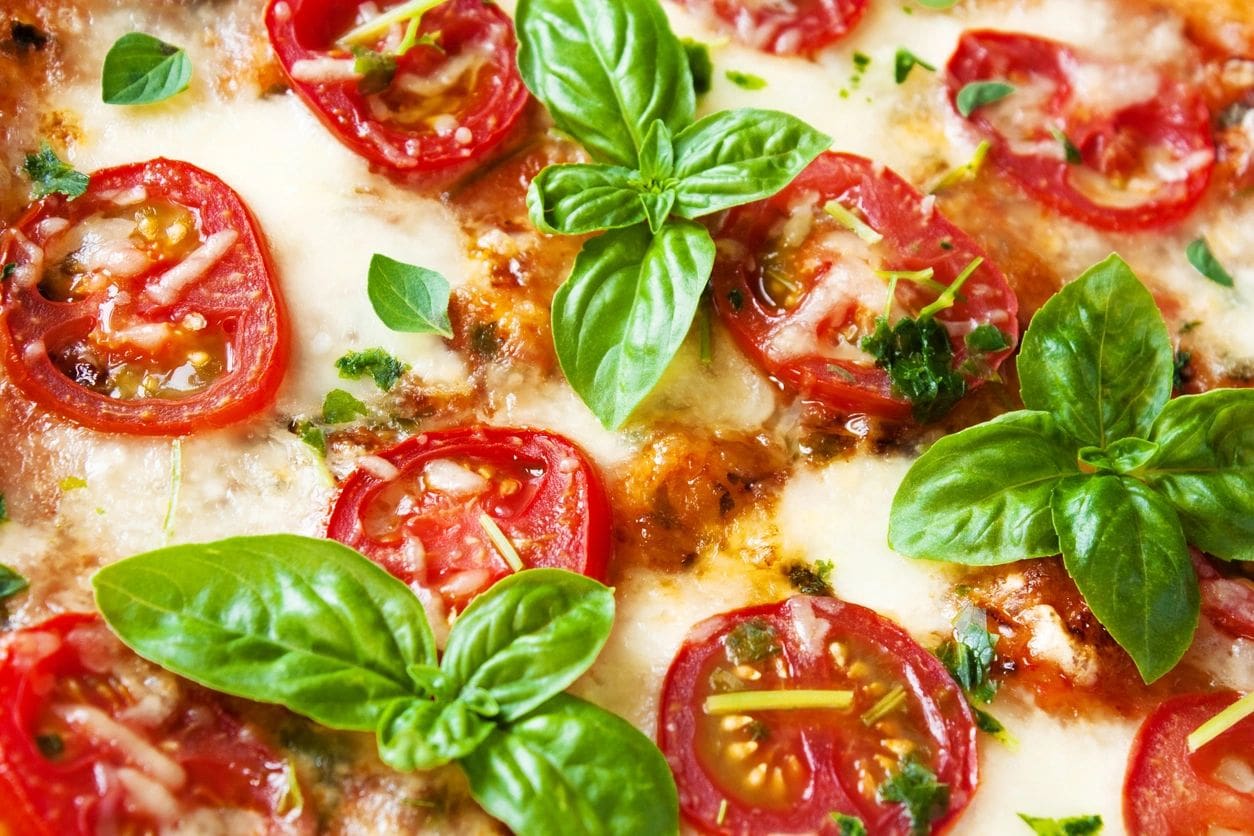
[(560, 416)]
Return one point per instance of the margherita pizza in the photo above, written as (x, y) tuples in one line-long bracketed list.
[(627, 416)]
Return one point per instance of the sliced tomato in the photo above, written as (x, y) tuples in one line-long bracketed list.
[(1227, 601), (799, 290), (1169, 791), (1143, 137), (454, 96), (429, 510), (797, 26), (146, 306), (93, 741), (787, 771)]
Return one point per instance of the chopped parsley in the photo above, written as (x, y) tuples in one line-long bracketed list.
[(376, 363), (700, 65), (969, 656), (905, 61), (340, 407), (49, 174), (915, 787), (810, 580), (1073, 826), (311, 434), (919, 360), (745, 81), (848, 825), (377, 69), (751, 641)]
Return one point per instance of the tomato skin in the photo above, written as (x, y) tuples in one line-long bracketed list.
[(307, 29), (805, 27), (226, 763), (829, 739), (1170, 792), (1176, 118), (239, 288), (560, 519), (914, 236)]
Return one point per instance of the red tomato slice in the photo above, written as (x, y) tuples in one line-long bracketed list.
[(798, 291), (424, 521), (1169, 792), (798, 26), (147, 306), (449, 102), (1227, 602), (85, 751), (1144, 138), (786, 771)]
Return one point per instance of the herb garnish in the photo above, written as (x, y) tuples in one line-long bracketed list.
[(1203, 260), (969, 656), (633, 293), (376, 363), (1070, 152), (11, 583), (1073, 826), (916, 788), (408, 298), (140, 69), (4, 509), (905, 61), (377, 68), (314, 626), (977, 94), (751, 641), (699, 65), (1101, 466), (50, 175), (745, 81), (848, 825), (340, 407), (811, 580)]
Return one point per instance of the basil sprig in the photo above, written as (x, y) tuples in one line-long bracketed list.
[(615, 77), (1101, 467), (314, 626)]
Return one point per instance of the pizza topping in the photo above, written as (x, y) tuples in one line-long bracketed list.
[(635, 117), (866, 303), (1170, 788), (50, 175), (85, 753), (1143, 150), (1222, 722), (798, 27), (492, 704), (1102, 466), (1203, 260), (456, 505), (374, 363), (408, 298), (11, 583), (144, 306), (418, 88), (1071, 826), (775, 717), (140, 69), (905, 61)]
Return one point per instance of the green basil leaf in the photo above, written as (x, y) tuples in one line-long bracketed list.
[(621, 68), (408, 298), (11, 583), (529, 637), (969, 656), (1097, 356), (657, 208), (657, 155), (981, 496), (739, 156), (904, 62), (577, 199), (977, 94), (309, 624), (573, 769), (847, 825), (50, 175), (140, 69), (699, 65), (1073, 826), (626, 308), (1124, 548), (1203, 260), (922, 796), (340, 407), (1125, 456), (421, 734), (1205, 468)]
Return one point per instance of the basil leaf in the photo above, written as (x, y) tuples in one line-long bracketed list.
[(140, 69), (1205, 468), (11, 583), (408, 298), (577, 199), (657, 208), (574, 769), (626, 308), (1125, 456), (1097, 356), (981, 496), (309, 624), (340, 407), (657, 156), (621, 68), (977, 94), (529, 637), (745, 81), (421, 734), (739, 156), (1073, 826), (1203, 260), (904, 62), (969, 656), (1123, 546), (50, 175)]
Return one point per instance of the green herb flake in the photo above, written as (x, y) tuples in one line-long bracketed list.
[(751, 641), (340, 407), (50, 745), (140, 69), (905, 61), (1070, 152), (1181, 373), (377, 69), (977, 94), (1073, 826), (4, 509), (810, 580), (11, 583), (50, 175), (311, 434), (994, 728), (745, 81), (861, 61), (969, 656), (375, 363), (919, 360), (915, 787), (848, 825), (1203, 260), (986, 339), (699, 65), (8, 270)]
